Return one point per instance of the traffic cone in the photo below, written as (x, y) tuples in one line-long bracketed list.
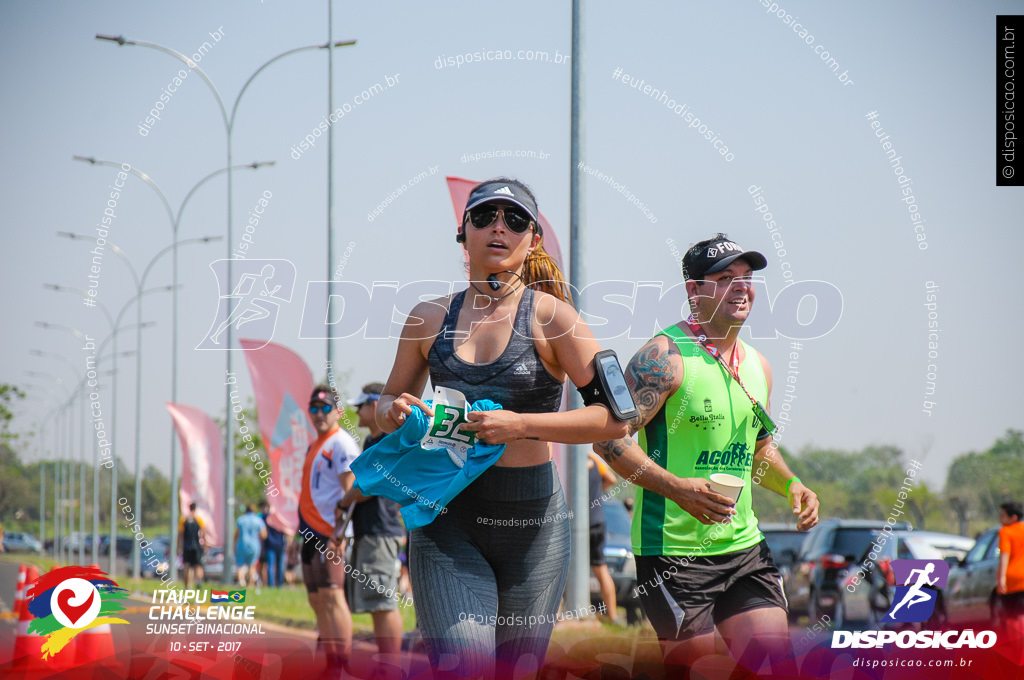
[(19, 594), (28, 647), (95, 645), (65, 659)]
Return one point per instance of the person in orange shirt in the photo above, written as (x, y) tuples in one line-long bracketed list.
[(326, 477), (1010, 576)]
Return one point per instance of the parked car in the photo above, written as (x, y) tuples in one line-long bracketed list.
[(213, 564), (17, 541), (158, 568), (784, 542), (618, 553), (829, 550), (971, 591), (124, 545), (871, 597)]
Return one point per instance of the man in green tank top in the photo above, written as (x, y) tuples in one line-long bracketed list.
[(701, 561)]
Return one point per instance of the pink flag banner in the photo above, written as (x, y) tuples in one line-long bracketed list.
[(282, 383), (202, 468), (459, 189)]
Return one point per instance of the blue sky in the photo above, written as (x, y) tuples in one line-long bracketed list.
[(794, 129)]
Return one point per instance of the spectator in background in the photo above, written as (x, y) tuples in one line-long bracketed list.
[(1010, 576), (291, 559), (378, 531), (191, 540), (326, 478), (249, 534), (273, 550), (601, 477)]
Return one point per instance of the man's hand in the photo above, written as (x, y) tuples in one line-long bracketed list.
[(495, 427), (805, 504), (694, 495), (1001, 587), (337, 538)]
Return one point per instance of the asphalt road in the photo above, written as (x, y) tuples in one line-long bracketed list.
[(279, 652)]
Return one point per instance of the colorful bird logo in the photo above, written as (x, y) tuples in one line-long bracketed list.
[(68, 600)]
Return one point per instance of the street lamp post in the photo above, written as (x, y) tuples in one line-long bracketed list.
[(81, 446), (140, 282), (229, 121), (115, 328), (60, 477), (175, 219)]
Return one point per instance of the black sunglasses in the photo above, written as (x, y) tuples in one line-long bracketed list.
[(516, 219), (324, 408)]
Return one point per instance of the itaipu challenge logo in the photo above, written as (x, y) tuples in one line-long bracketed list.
[(69, 600)]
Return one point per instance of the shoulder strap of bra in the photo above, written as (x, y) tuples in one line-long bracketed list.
[(451, 318)]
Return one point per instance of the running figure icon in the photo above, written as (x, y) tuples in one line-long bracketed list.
[(253, 294), (914, 594)]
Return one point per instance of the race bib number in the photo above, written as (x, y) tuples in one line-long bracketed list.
[(445, 432)]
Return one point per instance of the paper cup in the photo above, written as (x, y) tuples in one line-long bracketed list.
[(727, 485)]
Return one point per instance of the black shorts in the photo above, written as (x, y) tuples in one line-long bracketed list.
[(192, 557), (597, 539), (685, 598)]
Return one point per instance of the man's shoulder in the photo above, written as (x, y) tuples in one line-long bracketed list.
[(342, 440)]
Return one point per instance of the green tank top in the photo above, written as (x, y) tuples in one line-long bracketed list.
[(707, 426)]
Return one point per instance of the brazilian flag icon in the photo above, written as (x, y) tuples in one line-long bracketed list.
[(237, 596)]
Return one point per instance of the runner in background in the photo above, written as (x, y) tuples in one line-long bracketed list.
[(191, 541), (249, 534), (600, 477)]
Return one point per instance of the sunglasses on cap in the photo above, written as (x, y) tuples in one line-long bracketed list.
[(324, 408), (516, 219)]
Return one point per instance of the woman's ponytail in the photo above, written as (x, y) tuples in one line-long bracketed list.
[(541, 272)]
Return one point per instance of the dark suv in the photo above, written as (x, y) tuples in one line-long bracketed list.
[(832, 547)]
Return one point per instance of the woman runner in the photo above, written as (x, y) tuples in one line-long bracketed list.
[(489, 573)]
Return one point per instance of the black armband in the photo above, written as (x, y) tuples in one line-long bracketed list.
[(608, 387)]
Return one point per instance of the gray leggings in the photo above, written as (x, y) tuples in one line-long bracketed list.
[(489, 573)]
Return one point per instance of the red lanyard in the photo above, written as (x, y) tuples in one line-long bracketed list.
[(702, 338), (734, 371)]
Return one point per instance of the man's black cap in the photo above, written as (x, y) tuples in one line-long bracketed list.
[(716, 256)]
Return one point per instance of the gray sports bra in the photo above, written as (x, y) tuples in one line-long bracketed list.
[(517, 379)]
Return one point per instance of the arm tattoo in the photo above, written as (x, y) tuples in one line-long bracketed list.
[(649, 375)]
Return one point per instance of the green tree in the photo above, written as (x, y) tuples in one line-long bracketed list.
[(977, 483), (8, 393)]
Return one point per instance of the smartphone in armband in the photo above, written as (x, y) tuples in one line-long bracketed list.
[(617, 396)]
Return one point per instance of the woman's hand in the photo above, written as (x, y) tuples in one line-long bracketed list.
[(401, 407), (496, 427)]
